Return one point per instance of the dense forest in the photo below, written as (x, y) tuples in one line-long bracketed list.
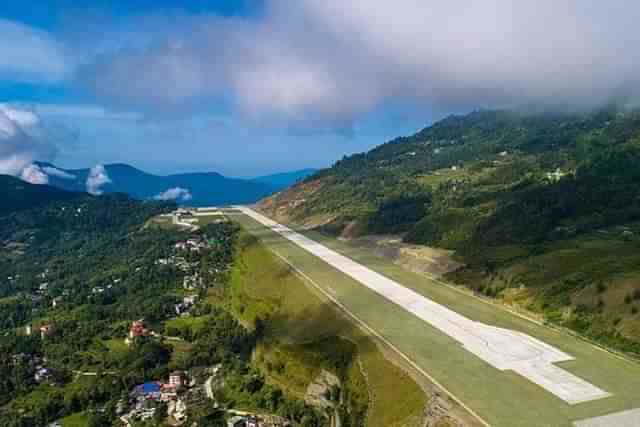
[(542, 208), (17, 194), (77, 274)]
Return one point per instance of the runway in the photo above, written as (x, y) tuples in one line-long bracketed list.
[(503, 349)]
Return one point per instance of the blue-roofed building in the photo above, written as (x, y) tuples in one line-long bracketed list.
[(150, 390)]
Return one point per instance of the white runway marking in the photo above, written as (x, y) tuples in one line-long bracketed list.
[(619, 419), (503, 349)]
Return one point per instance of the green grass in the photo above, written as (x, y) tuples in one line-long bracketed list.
[(500, 398), (117, 345), (305, 333), (208, 219), (180, 354), (196, 324), (79, 419), (563, 274), (161, 223), (295, 366), (441, 176)]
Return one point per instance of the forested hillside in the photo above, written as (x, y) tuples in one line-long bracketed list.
[(16, 194), (542, 208), (102, 304)]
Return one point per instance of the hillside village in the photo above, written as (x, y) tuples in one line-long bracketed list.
[(160, 317)]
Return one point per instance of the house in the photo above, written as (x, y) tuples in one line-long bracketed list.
[(46, 330), (137, 329), (168, 393), (147, 391), (176, 379), (189, 300), (237, 421), (183, 307), (42, 374)]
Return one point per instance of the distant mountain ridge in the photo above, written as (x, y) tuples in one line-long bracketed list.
[(195, 189)]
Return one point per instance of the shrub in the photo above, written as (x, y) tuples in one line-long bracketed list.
[(634, 310)]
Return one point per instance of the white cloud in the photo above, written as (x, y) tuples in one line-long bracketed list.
[(34, 174), (22, 141), (85, 112), (336, 60), (28, 54), (176, 193), (51, 171), (97, 178)]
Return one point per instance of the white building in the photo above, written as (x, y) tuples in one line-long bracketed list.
[(176, 379)]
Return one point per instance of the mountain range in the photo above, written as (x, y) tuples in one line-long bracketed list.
[(195, 189)]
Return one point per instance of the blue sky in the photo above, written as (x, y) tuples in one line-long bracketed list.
[(248, 87), (210, 134)]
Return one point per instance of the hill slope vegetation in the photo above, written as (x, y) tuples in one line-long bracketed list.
[(17, 194), (543, 209)]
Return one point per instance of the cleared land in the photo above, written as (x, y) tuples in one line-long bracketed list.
[(502, 398), (79, 419)]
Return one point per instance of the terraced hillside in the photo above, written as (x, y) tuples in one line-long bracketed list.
[(543, 209)]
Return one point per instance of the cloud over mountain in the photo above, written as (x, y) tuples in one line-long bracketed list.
[(333, 60), (318, 71), (97, 177), (22, 141), (52, 171), (176, 193), (34, 174)]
